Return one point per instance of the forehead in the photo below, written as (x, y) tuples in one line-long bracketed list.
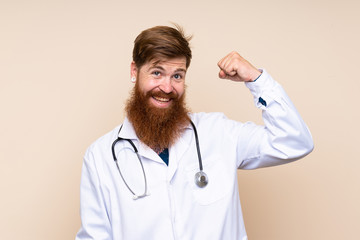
[(167, 64)]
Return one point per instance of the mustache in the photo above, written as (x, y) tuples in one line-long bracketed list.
[(161, 94)]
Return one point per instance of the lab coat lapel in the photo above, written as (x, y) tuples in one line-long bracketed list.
[(178, 150), (148, 153)]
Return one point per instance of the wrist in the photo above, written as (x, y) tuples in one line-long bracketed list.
[(255, 76)]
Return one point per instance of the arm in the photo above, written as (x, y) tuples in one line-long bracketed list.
[(95, 223), (285, 137)]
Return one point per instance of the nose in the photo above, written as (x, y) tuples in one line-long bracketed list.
[(166, 86)]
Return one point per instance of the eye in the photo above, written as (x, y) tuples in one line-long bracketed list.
[(156, 73), (177, 76)]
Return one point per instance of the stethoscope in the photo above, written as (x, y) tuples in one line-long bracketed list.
[(201, 179)]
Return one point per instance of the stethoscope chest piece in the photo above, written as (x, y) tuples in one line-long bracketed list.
[(201, 179)]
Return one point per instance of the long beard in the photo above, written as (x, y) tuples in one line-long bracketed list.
[(158, 128)]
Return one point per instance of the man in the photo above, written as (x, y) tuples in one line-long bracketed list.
[(175, 172)]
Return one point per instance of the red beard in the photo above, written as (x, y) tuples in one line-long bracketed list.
[(158, 128)]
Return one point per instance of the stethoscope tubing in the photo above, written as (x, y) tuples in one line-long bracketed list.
[(201, 178), (197, 146), (141, 164)]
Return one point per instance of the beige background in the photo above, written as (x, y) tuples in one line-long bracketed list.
[(64, 77)]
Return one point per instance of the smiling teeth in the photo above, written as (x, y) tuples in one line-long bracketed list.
[(162, 99)]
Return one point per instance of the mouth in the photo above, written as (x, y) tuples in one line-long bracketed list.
[(161, 102), (161, 99)]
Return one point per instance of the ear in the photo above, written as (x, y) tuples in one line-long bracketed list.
[(133, 70)]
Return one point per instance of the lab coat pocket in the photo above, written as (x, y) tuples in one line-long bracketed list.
[(220, 177)]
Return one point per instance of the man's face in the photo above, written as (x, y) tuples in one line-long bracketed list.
[(156, 107), (162, 81)]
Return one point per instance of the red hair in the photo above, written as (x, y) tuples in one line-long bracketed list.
[(161, 42)]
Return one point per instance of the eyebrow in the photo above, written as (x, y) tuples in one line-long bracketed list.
[(161, 68)]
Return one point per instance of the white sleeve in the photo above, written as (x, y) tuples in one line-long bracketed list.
[(284, 138), (95, 224)]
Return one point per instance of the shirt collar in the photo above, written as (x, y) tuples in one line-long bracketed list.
[(127, 130)]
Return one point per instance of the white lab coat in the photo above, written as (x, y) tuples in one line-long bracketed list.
[(176, 207)]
